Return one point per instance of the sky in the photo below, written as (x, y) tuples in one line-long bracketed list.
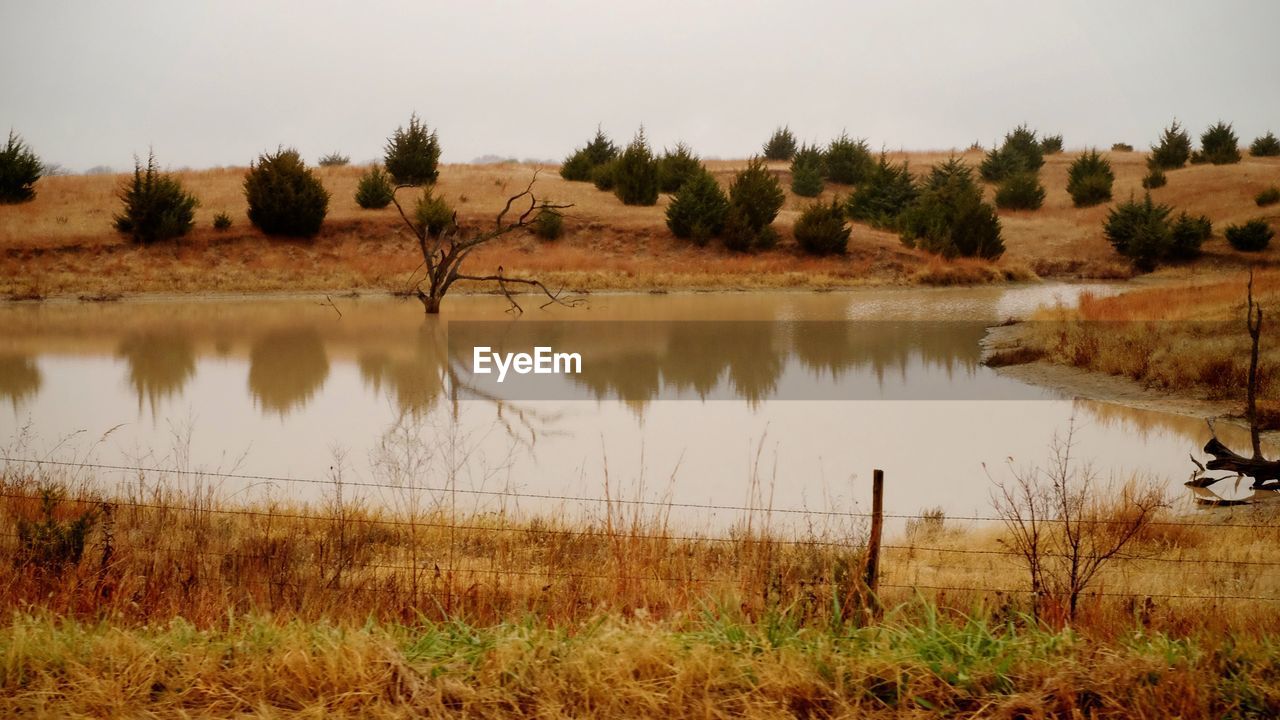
[(207, 84)]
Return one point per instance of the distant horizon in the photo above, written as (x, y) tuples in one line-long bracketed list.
[(209, 85)]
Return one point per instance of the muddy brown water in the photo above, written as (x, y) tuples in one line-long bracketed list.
[(297, 388)]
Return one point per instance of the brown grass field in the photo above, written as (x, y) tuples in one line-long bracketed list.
[(185, 603), (62, 243)]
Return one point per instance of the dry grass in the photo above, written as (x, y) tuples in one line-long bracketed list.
[(156, 553), (920, 663), (1187, 338), (62, 243), (186, 604)]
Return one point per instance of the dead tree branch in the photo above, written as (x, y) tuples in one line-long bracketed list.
[(444, 251)]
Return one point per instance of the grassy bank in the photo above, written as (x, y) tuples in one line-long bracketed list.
[(920, 662), (184, 601), (1185, 339), (62, 243)]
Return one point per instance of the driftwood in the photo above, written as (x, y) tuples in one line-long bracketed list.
[(1265, 473)]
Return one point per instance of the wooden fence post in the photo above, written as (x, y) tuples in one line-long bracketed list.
[(873, 543)]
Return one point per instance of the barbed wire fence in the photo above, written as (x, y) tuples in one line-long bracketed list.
[(898, 566)]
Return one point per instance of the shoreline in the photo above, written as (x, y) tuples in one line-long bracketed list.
[(1101, 387), (608, 291)]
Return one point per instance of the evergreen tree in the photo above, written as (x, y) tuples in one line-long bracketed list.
[(888, 190), (413, 154), (949, 217), (284, 195), (20, 170), (807, 168), (1219, 145), (821, 229), (1089, 179), (677, 166), (1265, 146), (847, 161), (699, 208), (374, 190), (635, 177), (755, 197), (781, 145), (581, 163), (156, 207), (1173, 150)]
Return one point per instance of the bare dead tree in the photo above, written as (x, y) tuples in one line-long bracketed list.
[(1265, 473), (1066, 526), (444, 252)]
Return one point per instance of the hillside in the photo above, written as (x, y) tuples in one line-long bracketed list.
[(62, 243)]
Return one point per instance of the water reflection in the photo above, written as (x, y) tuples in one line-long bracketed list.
[(286, 368), (19, 378), (161, 361), (414, 379)]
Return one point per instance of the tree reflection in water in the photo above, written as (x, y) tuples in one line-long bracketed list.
[(286, 368), (19, 378), (161, 361)]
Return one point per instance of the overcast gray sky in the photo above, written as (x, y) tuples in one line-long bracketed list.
[(204, 83)]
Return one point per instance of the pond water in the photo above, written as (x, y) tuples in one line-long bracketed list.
[(686, 398)]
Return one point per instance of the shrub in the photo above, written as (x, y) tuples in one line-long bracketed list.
[(1187, 234), (433, 214), (1140, 231), (949, 217), (755, 197), (1089, 179), (284, 195), (20, 169), (155, 205), (806, 180), (1051, 144), (807, 168), (888, 191), (781, 145), (581, 163), (1253, 236), (1219, 145), (1266, 146), (698, 210), (1020, 153), (1270, 196), (677, 166), (1173, 150), (635, 177), (847, 161), (333, 159), (740, 236), (51, 544), (549, 225), (413, 154), (602, 175), (757, 194), (374, 191), (1020, 192), (1155, 176), (1121, 147), (221, 221), (996, 166), (821, 229)]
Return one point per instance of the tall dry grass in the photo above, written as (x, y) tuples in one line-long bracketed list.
[(1187, 338)]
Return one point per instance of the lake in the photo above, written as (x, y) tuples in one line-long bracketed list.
[(778, 399)]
